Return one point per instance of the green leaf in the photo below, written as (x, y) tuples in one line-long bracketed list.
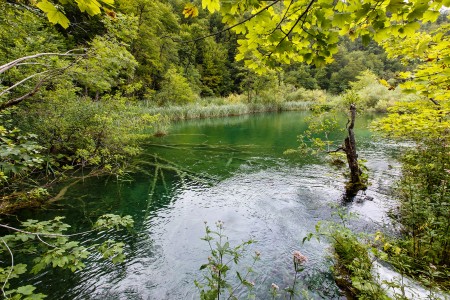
[(92, 7), (340, 19), (365, 39), (53, 14), (211, 5), (239, 276), (26, 290)]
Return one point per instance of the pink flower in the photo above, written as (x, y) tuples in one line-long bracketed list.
[(299, 258), (275, 287)]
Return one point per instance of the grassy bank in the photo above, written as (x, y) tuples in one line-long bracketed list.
[(233, 105), (205, 109)]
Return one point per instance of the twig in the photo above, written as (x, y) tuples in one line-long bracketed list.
[(46, 234), (10, 271), (44, 242), (230, 27), (296, 22), (22, 81)]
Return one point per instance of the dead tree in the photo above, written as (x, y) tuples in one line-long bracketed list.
[(356, 182)]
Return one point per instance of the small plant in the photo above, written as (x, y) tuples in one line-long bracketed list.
[(299, 260), (223, 258)]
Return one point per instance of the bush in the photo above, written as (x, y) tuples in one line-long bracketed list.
[(77, 131)]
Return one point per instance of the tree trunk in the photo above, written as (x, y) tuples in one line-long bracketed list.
[(355, 184)]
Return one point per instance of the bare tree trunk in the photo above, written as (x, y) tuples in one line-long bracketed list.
[(355, 184)]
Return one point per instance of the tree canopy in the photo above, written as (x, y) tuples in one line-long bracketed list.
[(309, 30)]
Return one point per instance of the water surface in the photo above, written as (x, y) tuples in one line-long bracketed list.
[(234, 170)]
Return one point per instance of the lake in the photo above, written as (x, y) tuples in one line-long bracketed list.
[(233, 170)]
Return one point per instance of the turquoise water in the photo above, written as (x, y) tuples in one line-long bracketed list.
[(230, 169)]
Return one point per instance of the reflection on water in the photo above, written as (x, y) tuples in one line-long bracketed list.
[(234, 171)]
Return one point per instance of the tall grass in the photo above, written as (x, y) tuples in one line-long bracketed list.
[(233, 105)]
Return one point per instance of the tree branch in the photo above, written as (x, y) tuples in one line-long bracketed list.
[(52, 73), (337, 150), (296, 22), (22, 81), (44, 234), (434, 102), (14, 63), (228, 28)]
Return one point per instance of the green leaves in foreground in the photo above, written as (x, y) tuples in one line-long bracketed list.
[(308, 31), (55, 13), (49, 246)]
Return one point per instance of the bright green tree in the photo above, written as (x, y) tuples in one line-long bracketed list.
[(309, 30)]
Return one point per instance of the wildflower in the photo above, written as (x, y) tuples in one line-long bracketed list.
[(299, 258), (257, 253), (251, 283), (219, 224), (275, 287)]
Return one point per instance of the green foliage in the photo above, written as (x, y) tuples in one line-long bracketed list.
[(317, 137), (353, 265), (176, 89), (308, 31), (101, 133), (107, 65), (47, 245), (56, 15), (223, 260), (18, 153), (424, 192)]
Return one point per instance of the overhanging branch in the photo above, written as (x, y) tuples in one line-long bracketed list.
[(16, 62)]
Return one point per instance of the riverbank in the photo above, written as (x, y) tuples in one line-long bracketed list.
[(203, 110), (214, 109)]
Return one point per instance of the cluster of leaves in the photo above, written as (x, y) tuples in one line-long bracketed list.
[(78, 110), (47, 245), (424, 187), (18, 153), (318, 137), (285, 31), (54, 10), (353, 263)]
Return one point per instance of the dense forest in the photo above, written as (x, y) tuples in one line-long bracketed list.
[(83, 82)]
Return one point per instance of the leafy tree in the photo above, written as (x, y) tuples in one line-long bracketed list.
[(152, 48), (176, 89), (107, 64)]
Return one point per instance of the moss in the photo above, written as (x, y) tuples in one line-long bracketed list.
[(353, 267)]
